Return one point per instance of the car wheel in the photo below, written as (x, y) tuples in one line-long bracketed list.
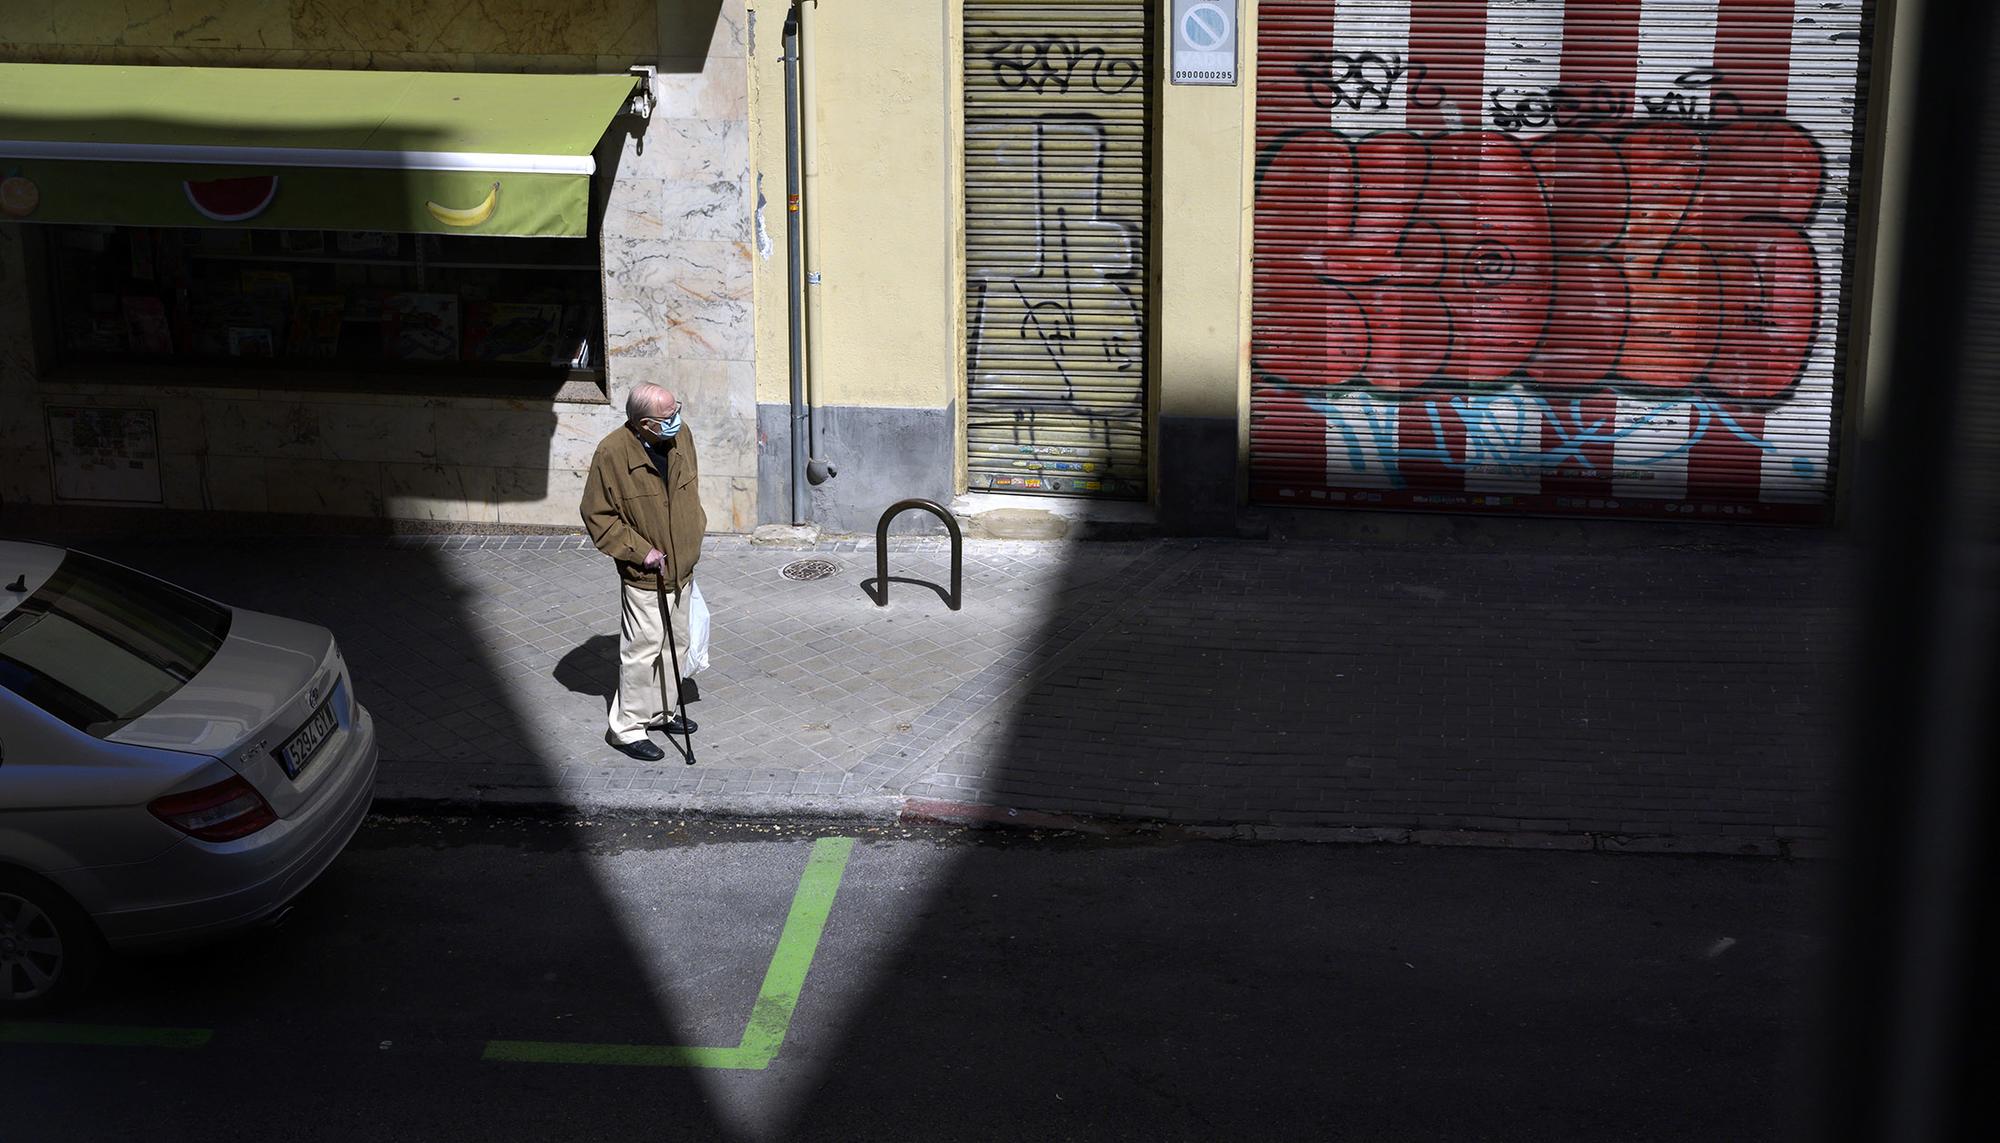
[(49, 950)]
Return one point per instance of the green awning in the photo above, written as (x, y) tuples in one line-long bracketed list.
[(285, 149)]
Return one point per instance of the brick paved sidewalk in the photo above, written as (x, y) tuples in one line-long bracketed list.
[(1678, 694)]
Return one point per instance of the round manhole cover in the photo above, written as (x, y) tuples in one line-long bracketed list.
[(808, 569)]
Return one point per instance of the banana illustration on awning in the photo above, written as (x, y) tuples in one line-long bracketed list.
[(466, 216)]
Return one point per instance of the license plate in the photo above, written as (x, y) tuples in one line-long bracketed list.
[(300, 748)]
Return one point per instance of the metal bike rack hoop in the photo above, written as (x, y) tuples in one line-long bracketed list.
[(882, 549)]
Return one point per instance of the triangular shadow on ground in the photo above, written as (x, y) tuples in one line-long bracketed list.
[(1095, 988)]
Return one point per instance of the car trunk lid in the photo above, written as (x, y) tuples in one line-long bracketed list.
[(262, 687)]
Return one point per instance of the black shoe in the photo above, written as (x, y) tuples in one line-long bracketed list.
[(678, 724), (645, 750)]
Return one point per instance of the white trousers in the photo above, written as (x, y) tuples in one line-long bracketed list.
[(646, 683)]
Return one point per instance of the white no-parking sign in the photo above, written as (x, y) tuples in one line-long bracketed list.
[(1204, 50)]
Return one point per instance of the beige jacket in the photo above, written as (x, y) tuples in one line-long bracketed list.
[(627, 510)]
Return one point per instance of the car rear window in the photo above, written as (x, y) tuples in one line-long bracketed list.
[(98, 645)]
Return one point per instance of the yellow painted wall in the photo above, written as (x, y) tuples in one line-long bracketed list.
[(1203, 225), (885, 101), (767, 180), (882, 109)]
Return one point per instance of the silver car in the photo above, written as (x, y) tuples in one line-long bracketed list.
[(171, 768)]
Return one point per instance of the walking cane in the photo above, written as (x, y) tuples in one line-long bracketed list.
[(674, 656), (667, 624)]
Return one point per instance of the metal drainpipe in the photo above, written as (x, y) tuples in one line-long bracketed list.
[(794, 269), (818, 471)]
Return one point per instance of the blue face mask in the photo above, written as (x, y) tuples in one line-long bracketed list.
[(670, 426)]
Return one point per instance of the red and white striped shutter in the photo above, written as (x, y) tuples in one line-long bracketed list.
[(1534, 256)]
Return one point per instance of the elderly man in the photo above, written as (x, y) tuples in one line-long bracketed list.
[(642, 508)]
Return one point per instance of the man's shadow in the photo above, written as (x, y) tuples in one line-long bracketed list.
[(591, 668)]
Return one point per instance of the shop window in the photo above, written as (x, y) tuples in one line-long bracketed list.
[(388, 309)]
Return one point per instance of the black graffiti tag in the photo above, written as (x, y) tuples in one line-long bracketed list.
[(1517, 110), (1366, 81), (1361, 81), (1053, 63), (1698, 97), (1051, 330), (1693, 88)]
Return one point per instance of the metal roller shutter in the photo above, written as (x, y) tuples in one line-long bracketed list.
[(1055, 232), (1529, 256)]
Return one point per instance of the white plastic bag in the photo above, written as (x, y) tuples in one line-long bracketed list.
[(697, 632)]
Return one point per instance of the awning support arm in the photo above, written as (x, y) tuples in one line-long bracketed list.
[(646, 96)]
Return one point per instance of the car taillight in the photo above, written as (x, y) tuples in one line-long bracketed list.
[(230, 809)]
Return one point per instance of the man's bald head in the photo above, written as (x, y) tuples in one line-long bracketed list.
[(649, 401)]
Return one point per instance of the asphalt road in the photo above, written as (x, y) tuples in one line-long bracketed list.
[(964, 987)]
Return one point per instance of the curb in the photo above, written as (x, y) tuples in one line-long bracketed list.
[(545, 805), (921, 811), (539, 805)]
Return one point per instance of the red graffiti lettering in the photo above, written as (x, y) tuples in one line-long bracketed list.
[(1656, 257)]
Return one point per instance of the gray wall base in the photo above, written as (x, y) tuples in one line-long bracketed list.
[(882, 456), (1197, 471)]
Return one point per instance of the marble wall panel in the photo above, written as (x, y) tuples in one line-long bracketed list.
[(249, 24), (27, 21), (180, 480), (318, 488), (461, 493), (25, 478), (696, 29), (380, 432), (537, 64), (181, 424), (237, 484), (361, 26), (633, 209), (718, 397), (284, 430), (577, 433), (678, 299), (548, 497), (720, 90), (724, 451), (697, 149), (514, 27), (24, 466), (730, 501), (705, 210), (506, 438), (721, 400)]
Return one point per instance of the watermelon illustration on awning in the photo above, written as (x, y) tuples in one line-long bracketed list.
[(232, 200), (415, 152)]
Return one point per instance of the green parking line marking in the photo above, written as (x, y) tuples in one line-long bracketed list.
[(104, 1035), (770, 1017)]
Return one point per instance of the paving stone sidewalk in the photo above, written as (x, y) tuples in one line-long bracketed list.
[(1675, 694)]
